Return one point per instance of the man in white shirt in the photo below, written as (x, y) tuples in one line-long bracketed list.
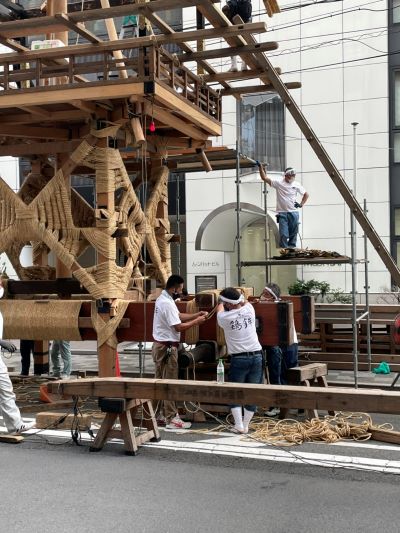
[(287, 206), (168, 323), (238, 320)]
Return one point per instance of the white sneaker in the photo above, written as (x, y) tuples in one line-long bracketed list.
[(273, 411), (178, 423), (25, 426)]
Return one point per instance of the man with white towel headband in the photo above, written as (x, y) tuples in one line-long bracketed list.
[(287, 207), (238, 320)]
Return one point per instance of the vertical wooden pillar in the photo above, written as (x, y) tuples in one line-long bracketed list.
[(107, 352), (41, 348)]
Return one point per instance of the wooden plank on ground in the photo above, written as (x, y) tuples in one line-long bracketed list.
[(11, 439), (58, 420), (320, 398)]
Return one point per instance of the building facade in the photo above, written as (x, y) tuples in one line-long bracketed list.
[(339, 52)]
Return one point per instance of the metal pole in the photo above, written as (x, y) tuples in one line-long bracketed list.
[(366, 287), (266, 232), (238, 235), (141, 360), (354, 303), (178, 225), (355, 124)]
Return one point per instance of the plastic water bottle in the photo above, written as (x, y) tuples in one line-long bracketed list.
[(220, 372)]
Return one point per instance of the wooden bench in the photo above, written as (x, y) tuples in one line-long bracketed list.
[(306, 375), (126, 410)]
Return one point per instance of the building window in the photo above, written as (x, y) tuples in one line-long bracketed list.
[(205, 283), (397, 98), (262, 129), (396, 148), (397, 221), (396, 11)]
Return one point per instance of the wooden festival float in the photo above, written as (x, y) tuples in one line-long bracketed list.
[(123, 112)]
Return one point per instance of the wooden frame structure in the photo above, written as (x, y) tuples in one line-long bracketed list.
[(100, 108), (105, 108)]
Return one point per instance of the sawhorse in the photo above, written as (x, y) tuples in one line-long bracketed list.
[(127, 412), (305, 376)]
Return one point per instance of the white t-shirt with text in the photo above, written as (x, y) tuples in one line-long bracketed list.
[(166, 316), (286, 194), (239, 326)]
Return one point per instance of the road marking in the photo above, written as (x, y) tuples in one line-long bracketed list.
[(230, 445)]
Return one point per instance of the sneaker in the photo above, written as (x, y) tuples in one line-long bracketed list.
[(161, 421), (25, 426), (177, 423), (65, 376), (273, 411)]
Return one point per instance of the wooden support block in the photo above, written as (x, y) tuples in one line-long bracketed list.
[(298, 374), (11, 439), (56, 421)]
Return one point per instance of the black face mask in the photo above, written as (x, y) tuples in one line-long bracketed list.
[(176, 295)]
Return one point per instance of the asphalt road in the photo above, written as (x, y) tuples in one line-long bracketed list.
[(62, 488)]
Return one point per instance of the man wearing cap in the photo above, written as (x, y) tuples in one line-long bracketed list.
[(238, 320), (287, 206)]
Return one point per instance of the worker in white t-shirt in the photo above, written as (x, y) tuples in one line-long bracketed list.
[(287, 207), (168, 323), (238, 320)]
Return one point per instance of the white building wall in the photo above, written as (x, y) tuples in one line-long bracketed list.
[(320, 46)]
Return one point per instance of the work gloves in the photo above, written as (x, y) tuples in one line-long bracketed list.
[(9, 346)]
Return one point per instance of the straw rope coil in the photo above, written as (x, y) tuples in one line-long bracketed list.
[(41, 319), (288, 432)]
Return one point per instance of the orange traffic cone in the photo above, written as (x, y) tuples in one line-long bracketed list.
[(117, 369)]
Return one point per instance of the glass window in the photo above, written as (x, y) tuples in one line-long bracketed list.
[(396, 11), (397, 98), (262, 120), (397, 221), (396, 148)]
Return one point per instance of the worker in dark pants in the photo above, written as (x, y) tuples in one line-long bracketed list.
[(287, 207), (243, 8), (26, 348)]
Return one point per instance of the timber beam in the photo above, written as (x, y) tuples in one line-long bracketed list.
[(227, 52), (319, 398), (257, 88)]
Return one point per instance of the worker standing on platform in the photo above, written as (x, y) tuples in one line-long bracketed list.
[(238, 320), (168, 323), (8, 407), (243, 8), (287, 207)]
